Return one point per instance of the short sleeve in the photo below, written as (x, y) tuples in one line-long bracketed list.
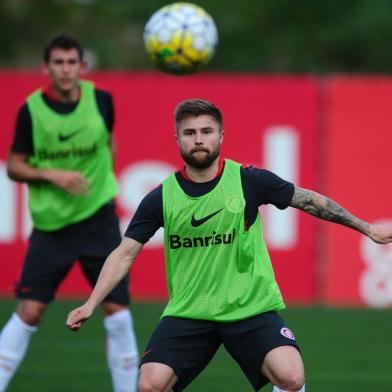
[(148, 217)]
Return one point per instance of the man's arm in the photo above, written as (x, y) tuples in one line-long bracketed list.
[(115, 268), (324, 208), (19, 169)]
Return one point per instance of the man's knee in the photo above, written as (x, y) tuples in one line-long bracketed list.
[(110, 308), (156, 377), (148, 385), (291, 380), (31, 311), (284, 368)]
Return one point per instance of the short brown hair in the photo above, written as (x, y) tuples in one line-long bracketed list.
[(197, 107), (62, 41)]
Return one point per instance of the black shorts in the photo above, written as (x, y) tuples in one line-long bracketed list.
[(188, 345), (51, 254)]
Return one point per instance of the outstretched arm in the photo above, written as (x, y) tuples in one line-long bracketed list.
[(115, 268), (19, 169), (324, 208)]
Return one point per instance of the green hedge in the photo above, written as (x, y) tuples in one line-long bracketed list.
[(300, 36)]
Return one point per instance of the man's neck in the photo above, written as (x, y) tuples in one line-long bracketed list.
[(202, 175), (67, 96)]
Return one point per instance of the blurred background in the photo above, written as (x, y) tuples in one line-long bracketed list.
[(305, 89), (255, 36)]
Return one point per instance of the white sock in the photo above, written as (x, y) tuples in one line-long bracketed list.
[(14, 340), (276, 389), (122, 351)]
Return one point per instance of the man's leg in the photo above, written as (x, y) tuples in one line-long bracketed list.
[(122, 352), (156, 377), (178, 351), (15, 338), (266, 351), (46, 263), (284, 368)]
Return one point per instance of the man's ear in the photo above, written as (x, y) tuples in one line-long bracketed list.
[(83, 67), (44, 68), (222, 136)]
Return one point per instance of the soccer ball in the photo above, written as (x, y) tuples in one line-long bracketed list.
[(180, 38)]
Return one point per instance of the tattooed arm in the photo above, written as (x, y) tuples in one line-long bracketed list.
[(324, 208)]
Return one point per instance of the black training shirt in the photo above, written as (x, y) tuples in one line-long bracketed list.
[(260, 187), (23, 137)]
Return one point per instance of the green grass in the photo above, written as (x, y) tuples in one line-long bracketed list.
[(346, 350)]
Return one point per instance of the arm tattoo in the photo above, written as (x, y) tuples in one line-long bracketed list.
[(324, 208)]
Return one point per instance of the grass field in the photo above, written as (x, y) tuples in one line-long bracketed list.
[(344, 350)]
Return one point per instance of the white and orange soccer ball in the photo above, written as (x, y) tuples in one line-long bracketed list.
[(180, 38)]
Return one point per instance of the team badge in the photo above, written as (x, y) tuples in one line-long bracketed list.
[(287, 333), (235, 204)]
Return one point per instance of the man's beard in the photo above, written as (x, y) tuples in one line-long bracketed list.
[(200, 162)]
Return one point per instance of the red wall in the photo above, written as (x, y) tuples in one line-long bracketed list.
[(257, 112), (331, 135), (358, 164)]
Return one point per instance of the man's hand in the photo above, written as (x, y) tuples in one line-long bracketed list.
[(69, 181), (381, 234), (78, 316), (19, 169)]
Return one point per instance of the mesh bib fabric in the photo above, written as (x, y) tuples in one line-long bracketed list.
[(216, 270), (77, 141)]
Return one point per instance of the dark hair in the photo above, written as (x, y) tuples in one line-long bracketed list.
[(197, 107), (63, 42)]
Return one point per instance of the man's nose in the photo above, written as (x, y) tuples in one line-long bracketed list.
[(198, 138), (66, 67)]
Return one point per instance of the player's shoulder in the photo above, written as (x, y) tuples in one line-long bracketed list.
[(32, 95), (153, 197), (102, 92), (103, 96), (257, 176), (254, 171), (23, 106), (101, 89), (23, 110)]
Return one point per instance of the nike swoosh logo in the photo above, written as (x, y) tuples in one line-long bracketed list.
[(198, 222), (63, 138)]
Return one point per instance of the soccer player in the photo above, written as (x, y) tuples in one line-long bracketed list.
[(63, 149), (221, 283)]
